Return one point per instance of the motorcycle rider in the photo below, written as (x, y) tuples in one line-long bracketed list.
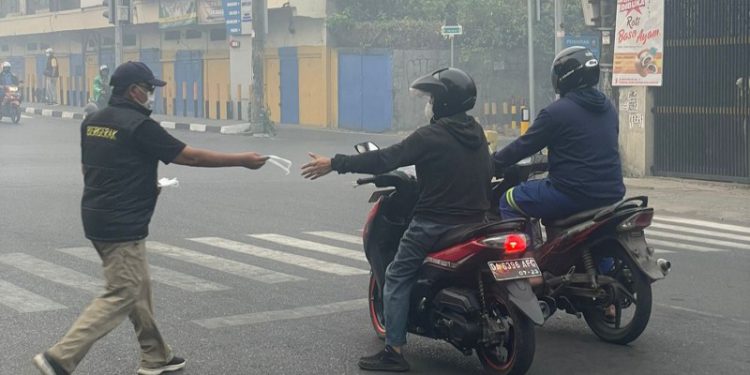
[(580, 131), (453, 171), (7, 78), (101, 87)]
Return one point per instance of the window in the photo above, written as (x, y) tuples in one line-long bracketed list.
[(5, 48), (129, 40), (108, 41), (218, 34), (171, 35), (57, 5), (193, 34), (8, 7), (32, 47), (34, 6), (43, 46)]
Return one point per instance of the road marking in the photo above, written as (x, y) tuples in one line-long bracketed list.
[(708, 241), (729, 236), (280, 256), (659, 251), (24, 301), (53, 272), (24, 116), (280, 315), (312, 246), (338, 237), (162, 275), (220, 264), (168, 124), (712, 315), (702, 223), (681, 246)]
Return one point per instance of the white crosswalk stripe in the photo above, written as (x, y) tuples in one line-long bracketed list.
[(53, 272), (701, 240), (221, 264), (357, 240), (703, 223), (283, 257), (23, 300), (159, 274), (676, 234), (310, 245)]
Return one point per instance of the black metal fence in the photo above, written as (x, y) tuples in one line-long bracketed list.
[(703, 109)]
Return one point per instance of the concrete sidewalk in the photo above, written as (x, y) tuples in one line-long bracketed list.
[(201, 125)]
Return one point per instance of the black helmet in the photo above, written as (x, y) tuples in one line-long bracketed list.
[(452, 91), (574, 67)]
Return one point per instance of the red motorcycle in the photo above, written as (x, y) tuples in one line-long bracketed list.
[(11, 104), (474, 291)]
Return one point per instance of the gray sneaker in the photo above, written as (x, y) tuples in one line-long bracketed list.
[(48, 366), (175, 364)]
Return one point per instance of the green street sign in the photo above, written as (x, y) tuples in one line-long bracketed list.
[(452, 30)]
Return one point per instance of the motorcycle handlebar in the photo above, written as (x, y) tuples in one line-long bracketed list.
[(367, 180)]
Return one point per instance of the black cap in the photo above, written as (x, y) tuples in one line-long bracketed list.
[(133, 72)]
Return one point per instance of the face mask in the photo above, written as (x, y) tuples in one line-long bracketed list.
[(428, 111), (149, 100)]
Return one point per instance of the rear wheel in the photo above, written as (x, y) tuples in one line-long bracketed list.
[(16, 117), (624, 314), (377, 316), (514, 354)]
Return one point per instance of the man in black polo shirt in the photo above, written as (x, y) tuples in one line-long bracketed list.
[(120, 150)]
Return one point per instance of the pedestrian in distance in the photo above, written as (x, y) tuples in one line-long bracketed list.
[(121, 146)]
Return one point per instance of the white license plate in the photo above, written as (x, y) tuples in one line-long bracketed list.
[(514, 269)]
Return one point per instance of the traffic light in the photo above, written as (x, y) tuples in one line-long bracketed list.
[(109, 11)]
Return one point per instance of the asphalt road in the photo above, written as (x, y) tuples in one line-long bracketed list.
[(217, 312)]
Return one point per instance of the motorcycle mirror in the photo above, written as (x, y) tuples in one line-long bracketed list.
[(363, 147)]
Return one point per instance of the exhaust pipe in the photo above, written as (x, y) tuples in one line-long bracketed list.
[(665, 265)]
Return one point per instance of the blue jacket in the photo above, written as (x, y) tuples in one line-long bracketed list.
[(580, 130)]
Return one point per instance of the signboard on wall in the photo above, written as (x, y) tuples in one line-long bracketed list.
[(238, 15), (176, 13), (590, 41), (639, 43), (210, 12)]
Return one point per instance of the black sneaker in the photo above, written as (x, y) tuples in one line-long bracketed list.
[(47, 365), (387, 360), (175, 364)]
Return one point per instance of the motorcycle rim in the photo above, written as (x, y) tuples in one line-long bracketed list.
[(519, 343), (377, 316)]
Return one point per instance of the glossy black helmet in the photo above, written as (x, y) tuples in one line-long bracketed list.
[(573, 68), (452, 91)]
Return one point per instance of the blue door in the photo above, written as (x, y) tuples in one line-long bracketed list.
[(188, 71), (289, 70), (365, 92), (152, 58)]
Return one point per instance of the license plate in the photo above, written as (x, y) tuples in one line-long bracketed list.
[(514, 269)]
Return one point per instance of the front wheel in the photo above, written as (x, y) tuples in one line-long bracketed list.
[(16, 117), (377, 316), (623, 315), (515, 352)]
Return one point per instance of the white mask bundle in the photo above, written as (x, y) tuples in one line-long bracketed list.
[(282, 163)]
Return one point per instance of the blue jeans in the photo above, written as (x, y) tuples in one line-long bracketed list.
[(401, 275), (539, 199)]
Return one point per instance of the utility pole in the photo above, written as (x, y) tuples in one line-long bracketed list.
[(559, 26), (532, 90), (257, 106)]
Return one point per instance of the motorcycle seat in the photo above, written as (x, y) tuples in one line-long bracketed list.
[(463, 233), (588, 215)]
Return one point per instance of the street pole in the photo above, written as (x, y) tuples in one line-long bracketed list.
[(532, 91), (559, 28), (452, 64), (118, 34), (257, 106)]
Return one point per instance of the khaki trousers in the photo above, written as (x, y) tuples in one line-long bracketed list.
[(128, 294)]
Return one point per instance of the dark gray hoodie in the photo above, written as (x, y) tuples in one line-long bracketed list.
[(453, 168)]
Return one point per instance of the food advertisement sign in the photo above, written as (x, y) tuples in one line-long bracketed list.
[(639, 43)]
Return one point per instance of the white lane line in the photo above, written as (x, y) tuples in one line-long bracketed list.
[(280, 256), (690, 230), (680, 246), (24, 301), (659, 251), (162, 275), (280, 315), (712, 315), (53, 272), (357, 240), (312, 246), (710, 242), (702, 223), (220, 264)]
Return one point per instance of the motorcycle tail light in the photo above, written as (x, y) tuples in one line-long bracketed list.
[(640, 221), (510, 243)]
